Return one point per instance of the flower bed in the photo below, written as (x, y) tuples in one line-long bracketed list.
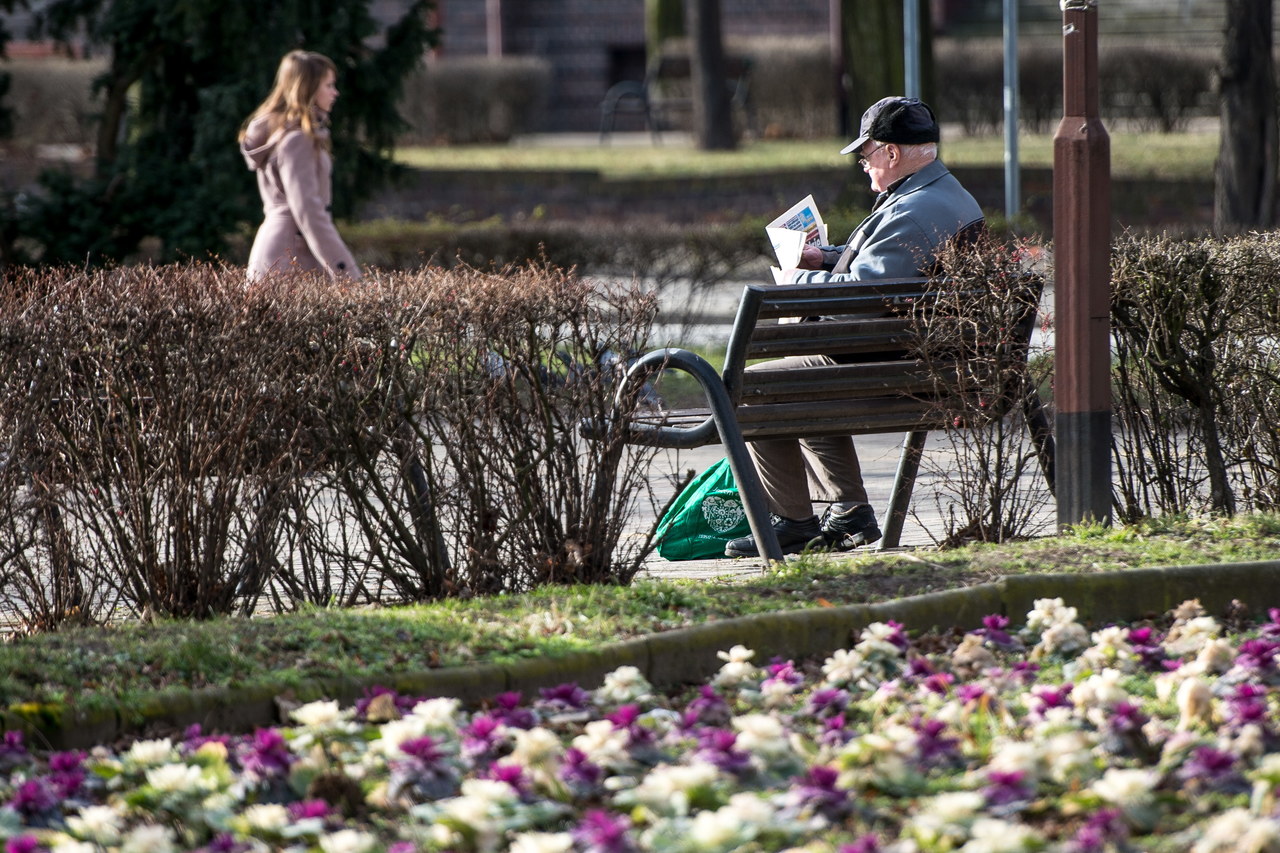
[(1051, 738)]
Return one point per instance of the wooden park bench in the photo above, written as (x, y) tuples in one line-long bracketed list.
[(667, 93), (888, 380)]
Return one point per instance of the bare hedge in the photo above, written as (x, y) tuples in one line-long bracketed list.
[(179, 443), (1196, 331)]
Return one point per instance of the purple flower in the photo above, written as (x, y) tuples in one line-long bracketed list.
[(13, 751), (828, 701), (1247, 706), (34, 798), (864, 844), (512, 774), (1258, 657), (23, 844), (1103, 828), (1005, 787), (602, 832), (1210, 768), (565, 697), (708, 709), (402, 847), (815, 792), (225, 843), (993, 631), (507, 708), (785, 671), (919, 667), (266, 756), (716, 747), (932, 746), (194, 738), (422, 748), (1272, 628), (1126, 717), (67, 773), (577, 771), (939, 683), (482, 738), (833, 732), (1045, 697), (896, 636), (626, 718), (968, 693), (308, 809)]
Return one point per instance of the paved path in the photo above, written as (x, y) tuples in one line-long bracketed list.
[(879, 457)]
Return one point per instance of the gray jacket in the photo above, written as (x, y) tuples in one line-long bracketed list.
[(905, 232)]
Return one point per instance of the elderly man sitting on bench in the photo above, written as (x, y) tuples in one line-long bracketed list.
[(920, 208)]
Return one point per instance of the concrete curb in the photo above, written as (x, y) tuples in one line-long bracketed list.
[(687, 655)]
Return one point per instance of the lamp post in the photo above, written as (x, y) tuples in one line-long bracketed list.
[(1082, 260)]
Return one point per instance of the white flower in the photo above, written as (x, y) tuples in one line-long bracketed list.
[(624, 684), (776, 692), (99, 824), (1047, 612), (604, 744), (536, 747), (146, 753), (717, 830), (438, 716), (955, 806), (749, 808), (542, 842), (1010, 756), (1191, 636), (149, 838), (1063, 639), (737, 654), (761, 734), (320, 715), (490, 791), (178, 779), (844, 666), (1069, 756), (1126, 788), (1216, 655), (1237, 831), (1195, 704), (348, 841), (1100, 691), (988, 835), (69, 845), (266, 817), (396, 732), (666, 788)]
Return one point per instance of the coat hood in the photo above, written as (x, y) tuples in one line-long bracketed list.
[(258, 142)]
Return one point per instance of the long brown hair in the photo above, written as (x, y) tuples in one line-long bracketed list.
[(292, 98)]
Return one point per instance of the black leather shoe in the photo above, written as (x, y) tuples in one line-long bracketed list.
[(793, 536), (845, 531)]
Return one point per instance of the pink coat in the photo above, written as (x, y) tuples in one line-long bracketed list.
[(297, 232)]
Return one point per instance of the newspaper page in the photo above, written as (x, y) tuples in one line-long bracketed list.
[(799, 226)]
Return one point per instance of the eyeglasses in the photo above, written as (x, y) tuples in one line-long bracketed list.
[(864, 159)]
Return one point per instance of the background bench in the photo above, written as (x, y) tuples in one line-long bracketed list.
[(666, 93), (893, 378)]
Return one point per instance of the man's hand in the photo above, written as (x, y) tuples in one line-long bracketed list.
[(810, 258)]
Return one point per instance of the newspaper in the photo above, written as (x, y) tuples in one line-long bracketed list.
[(801, 225)]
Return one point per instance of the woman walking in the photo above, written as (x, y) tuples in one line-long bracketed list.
[(286, 142)]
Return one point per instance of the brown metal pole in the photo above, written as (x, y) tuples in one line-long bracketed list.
[(1082, 280), (493, 27)]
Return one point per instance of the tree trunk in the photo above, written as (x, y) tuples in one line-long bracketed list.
[(875, 55), (663, 20), (712, 116), (1245, 174)]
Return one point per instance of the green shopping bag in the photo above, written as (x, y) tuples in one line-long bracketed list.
[(706, 515)]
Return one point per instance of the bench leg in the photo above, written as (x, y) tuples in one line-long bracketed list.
[(1041, 434), (903, 483)]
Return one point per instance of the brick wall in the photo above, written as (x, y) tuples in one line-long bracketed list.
[(591, 43)]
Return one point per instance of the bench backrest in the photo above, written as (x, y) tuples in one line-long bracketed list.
[(886, 378)]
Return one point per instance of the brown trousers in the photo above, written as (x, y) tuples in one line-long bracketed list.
[(796, 472)]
